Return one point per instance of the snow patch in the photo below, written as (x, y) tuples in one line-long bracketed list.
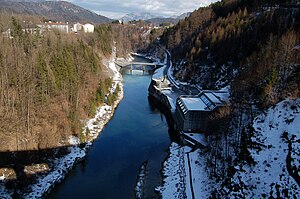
[(139, 188), (4, 193), (73, 140)]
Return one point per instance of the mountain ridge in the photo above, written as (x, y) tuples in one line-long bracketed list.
[(137, 16), (54, 10), (148, 17)]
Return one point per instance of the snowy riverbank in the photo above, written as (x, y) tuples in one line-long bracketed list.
[(61, 166), (185, 174)]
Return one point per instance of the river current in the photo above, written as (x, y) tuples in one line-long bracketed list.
[(137, 133)]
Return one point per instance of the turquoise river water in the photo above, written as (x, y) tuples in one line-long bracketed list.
[(137, 133)]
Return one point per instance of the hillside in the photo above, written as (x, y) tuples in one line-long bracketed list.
[(66, 78), (56, 73), (54, 10), (252, 48), (220, 44)]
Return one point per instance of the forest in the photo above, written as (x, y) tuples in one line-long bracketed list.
[(51, 81), (221, 42)]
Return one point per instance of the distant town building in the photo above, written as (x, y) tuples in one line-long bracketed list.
[(29, 30), (7, 33), (60, 26), (192, 112), (77, 27), (32, 29), (88, 28)]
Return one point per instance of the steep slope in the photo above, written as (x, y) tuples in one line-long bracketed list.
[(217, 41), (54, 10), (184, 15), (253, 47), (275, 151), (59, 76)]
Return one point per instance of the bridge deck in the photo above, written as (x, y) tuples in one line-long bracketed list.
[(136, 63), (143, 63)]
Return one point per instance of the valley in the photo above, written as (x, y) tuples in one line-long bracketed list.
[(214, 114)]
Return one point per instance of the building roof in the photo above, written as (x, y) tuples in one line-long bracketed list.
[(205, 101), (222, 95), (193, 103), (213, 98), (88, 24)]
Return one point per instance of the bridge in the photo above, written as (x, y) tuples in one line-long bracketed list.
[(124, 64), (141, 66)]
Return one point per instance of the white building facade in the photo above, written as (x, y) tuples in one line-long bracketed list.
[(77, 27), (88, 28)]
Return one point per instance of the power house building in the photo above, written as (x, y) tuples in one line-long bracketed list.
[(192, 112)]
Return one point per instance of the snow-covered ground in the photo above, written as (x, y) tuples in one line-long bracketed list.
[(185, 174), (277, 133), (199, 185), (269, 176), (174, 183), (4, 193), (62, 165)]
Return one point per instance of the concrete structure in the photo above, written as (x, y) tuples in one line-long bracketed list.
[(88, 28), (192, 112), (160, 88)]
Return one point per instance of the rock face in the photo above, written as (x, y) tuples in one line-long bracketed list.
[(54, 10)]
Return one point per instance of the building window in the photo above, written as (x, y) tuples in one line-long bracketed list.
[(207, 102)]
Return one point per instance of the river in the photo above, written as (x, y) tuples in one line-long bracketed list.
[(137, 133)]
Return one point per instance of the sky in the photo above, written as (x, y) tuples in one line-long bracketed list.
[(116, 9)]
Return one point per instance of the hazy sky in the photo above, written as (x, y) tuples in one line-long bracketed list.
[(119, 8)]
